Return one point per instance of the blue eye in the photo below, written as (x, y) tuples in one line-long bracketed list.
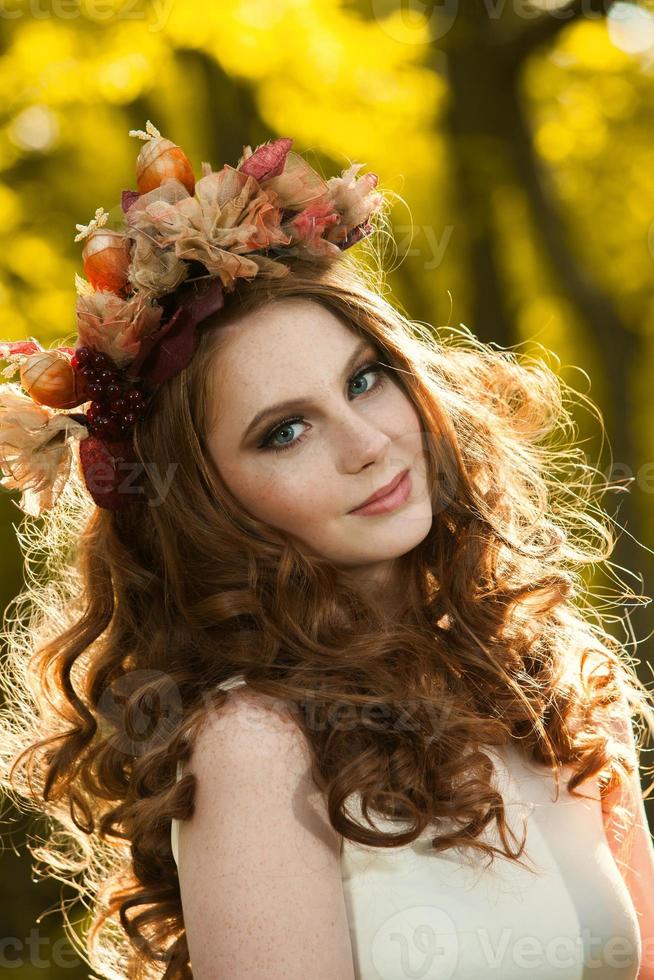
[(375, 367)]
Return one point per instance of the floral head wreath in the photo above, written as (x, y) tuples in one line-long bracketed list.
[(182, 243)]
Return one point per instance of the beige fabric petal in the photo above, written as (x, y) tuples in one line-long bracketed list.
[(116, 326), (35, 449)]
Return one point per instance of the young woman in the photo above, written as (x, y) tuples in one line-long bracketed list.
[(289, 732)]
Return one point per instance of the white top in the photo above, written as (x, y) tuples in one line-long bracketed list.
[(416, 913)]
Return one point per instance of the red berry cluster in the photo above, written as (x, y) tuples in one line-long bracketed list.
[(117, 402)]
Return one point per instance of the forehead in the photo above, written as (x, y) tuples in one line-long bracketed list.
[(282, 336), (281, 331), (287, 348)]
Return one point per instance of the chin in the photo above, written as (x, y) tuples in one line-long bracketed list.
[(398, 535)]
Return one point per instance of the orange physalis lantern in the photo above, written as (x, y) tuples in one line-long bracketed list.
[(160, 158), (49, 379), (106, 254)]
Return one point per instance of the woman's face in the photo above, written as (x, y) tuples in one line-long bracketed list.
[(301, 468)]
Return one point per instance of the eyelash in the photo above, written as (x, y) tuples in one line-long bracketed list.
[(376, 366)]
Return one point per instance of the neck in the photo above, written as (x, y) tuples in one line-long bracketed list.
[(383, 584)]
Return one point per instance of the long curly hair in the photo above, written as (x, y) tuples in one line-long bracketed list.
[(131, 619)]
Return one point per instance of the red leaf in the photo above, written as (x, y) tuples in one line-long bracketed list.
[(149, 344), (268, 160), (18, 347), (127, 198), (108, 470), (167, 352), (355, 235)]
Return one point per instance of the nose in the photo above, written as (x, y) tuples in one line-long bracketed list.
[(360, 442)]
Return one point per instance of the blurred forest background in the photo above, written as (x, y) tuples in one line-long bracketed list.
[(518, 134)]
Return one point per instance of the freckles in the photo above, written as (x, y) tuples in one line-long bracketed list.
[(296, 500), (258, 490), (274, 497)]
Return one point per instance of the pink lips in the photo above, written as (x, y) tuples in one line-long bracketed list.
[(389, 497)]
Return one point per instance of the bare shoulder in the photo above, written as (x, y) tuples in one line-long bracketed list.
[(246, 713), (249, 734), (259, 851), (253, 746)]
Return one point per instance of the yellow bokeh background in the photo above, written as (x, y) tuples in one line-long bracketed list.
[(519, 148)]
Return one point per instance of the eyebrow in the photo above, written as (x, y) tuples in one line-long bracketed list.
[(297, 403)]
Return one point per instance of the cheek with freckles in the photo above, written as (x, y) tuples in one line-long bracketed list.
[(288, 500)]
